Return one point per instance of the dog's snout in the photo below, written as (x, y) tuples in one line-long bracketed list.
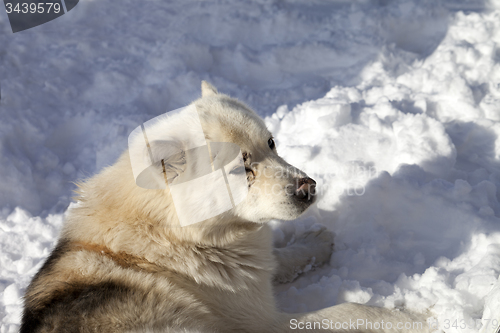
[(306, 188)]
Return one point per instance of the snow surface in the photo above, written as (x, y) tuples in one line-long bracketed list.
[(392, 106)]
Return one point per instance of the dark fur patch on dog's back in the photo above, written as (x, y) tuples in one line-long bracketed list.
[(60, 309), (65, 311)]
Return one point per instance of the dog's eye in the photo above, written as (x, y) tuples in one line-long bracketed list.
[(270, 143)]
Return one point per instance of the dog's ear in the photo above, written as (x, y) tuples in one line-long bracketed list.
[(207, 89)]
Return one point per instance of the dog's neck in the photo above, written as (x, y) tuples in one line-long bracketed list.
[(244, 262)]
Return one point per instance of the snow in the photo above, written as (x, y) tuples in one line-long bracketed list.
[(393, 107)]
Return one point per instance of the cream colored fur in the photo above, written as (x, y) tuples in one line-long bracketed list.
[(217, 274)]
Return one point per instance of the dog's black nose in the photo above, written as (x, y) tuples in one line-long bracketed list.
[(306, 188)]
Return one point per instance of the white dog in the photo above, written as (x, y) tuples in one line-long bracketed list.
[(123, 263)]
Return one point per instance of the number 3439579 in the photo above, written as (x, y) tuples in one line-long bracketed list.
[(24, 8)]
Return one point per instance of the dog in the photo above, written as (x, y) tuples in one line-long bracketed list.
[(123, 262)]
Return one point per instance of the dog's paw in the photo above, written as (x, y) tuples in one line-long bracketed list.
[(317, 244), (310, 250)]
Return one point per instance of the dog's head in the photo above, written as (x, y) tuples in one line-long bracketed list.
[(219, 126), (276, 190)]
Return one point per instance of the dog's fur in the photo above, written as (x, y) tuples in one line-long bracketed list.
[(123, 263)]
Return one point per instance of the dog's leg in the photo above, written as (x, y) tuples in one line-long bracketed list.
[(312, 249)]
